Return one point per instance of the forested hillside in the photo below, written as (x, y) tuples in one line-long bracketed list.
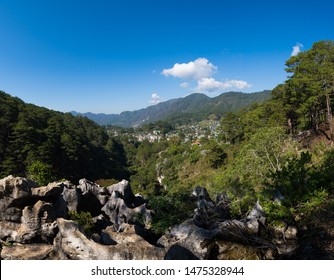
[(48, 145), (192, 108)]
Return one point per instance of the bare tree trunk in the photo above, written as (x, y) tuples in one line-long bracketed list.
[(290, 126), (330, 117)]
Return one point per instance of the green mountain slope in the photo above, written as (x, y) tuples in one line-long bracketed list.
[(192, 107), (45, 144)]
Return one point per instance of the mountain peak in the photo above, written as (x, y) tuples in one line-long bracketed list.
[(195, 106)]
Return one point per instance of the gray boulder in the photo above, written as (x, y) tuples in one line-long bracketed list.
[(72, 243), (15, 193), (188, 241), (71, 196), (120, 214), (37, 225), (124, 189)]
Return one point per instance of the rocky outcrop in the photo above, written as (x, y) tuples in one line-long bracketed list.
[(14, 194), (24, 218), (27, 252), (34, 217), (210, 234), (187, 237), (72, 243), (34, 224)]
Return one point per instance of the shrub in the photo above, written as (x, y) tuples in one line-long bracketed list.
[(40, 172), (84, 219)]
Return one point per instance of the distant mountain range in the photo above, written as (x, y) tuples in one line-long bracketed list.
[(193, 107)]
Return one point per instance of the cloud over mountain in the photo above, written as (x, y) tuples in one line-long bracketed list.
[(202, 71), (193, 70), (211, 85), (155, 99)]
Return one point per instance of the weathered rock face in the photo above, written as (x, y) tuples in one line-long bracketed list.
[(34, 220), (14, 193), (187, 237), (124, 189), (71, 243), (24, 218), (27, 252), (211, 234), (120, 214), (31, 215)]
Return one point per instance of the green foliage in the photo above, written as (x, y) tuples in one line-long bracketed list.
[(294, 180), (232, 128), (216, 155), (242, 196), (84, 219), (266, 150), (247, 172), (307, 94), (304, 187), (239, 126), (276, 213), (106, 182), (41, 172), (69, 147), (170, 209), (326, 171)]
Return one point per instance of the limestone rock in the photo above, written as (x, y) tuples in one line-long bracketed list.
[(129, 235), (119, 213), (16, 187), (91, 190), (291, 232), (71, 196), (31, 215), (37, 224), (208, 212), (52, 190), (124, 189), (9, 230), (191, 241), (26, 252), (71, 243), (14, 194)]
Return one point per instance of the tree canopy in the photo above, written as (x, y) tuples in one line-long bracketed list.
[(307, 94), (36, 142)]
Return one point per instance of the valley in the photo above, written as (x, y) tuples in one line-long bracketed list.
[(248, 171)]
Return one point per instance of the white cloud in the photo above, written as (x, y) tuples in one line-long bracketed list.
[(184, 85), (155, 99), (210, 85), (296, 49), (201, 70), (198, 69)]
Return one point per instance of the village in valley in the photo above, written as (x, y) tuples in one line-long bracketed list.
[(190, 133)]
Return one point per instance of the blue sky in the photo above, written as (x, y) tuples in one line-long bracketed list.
[(111, 56)]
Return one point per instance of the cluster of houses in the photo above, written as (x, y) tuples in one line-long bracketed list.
[(188, 133)]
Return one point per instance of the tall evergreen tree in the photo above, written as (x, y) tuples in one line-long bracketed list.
[(309, 90)]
